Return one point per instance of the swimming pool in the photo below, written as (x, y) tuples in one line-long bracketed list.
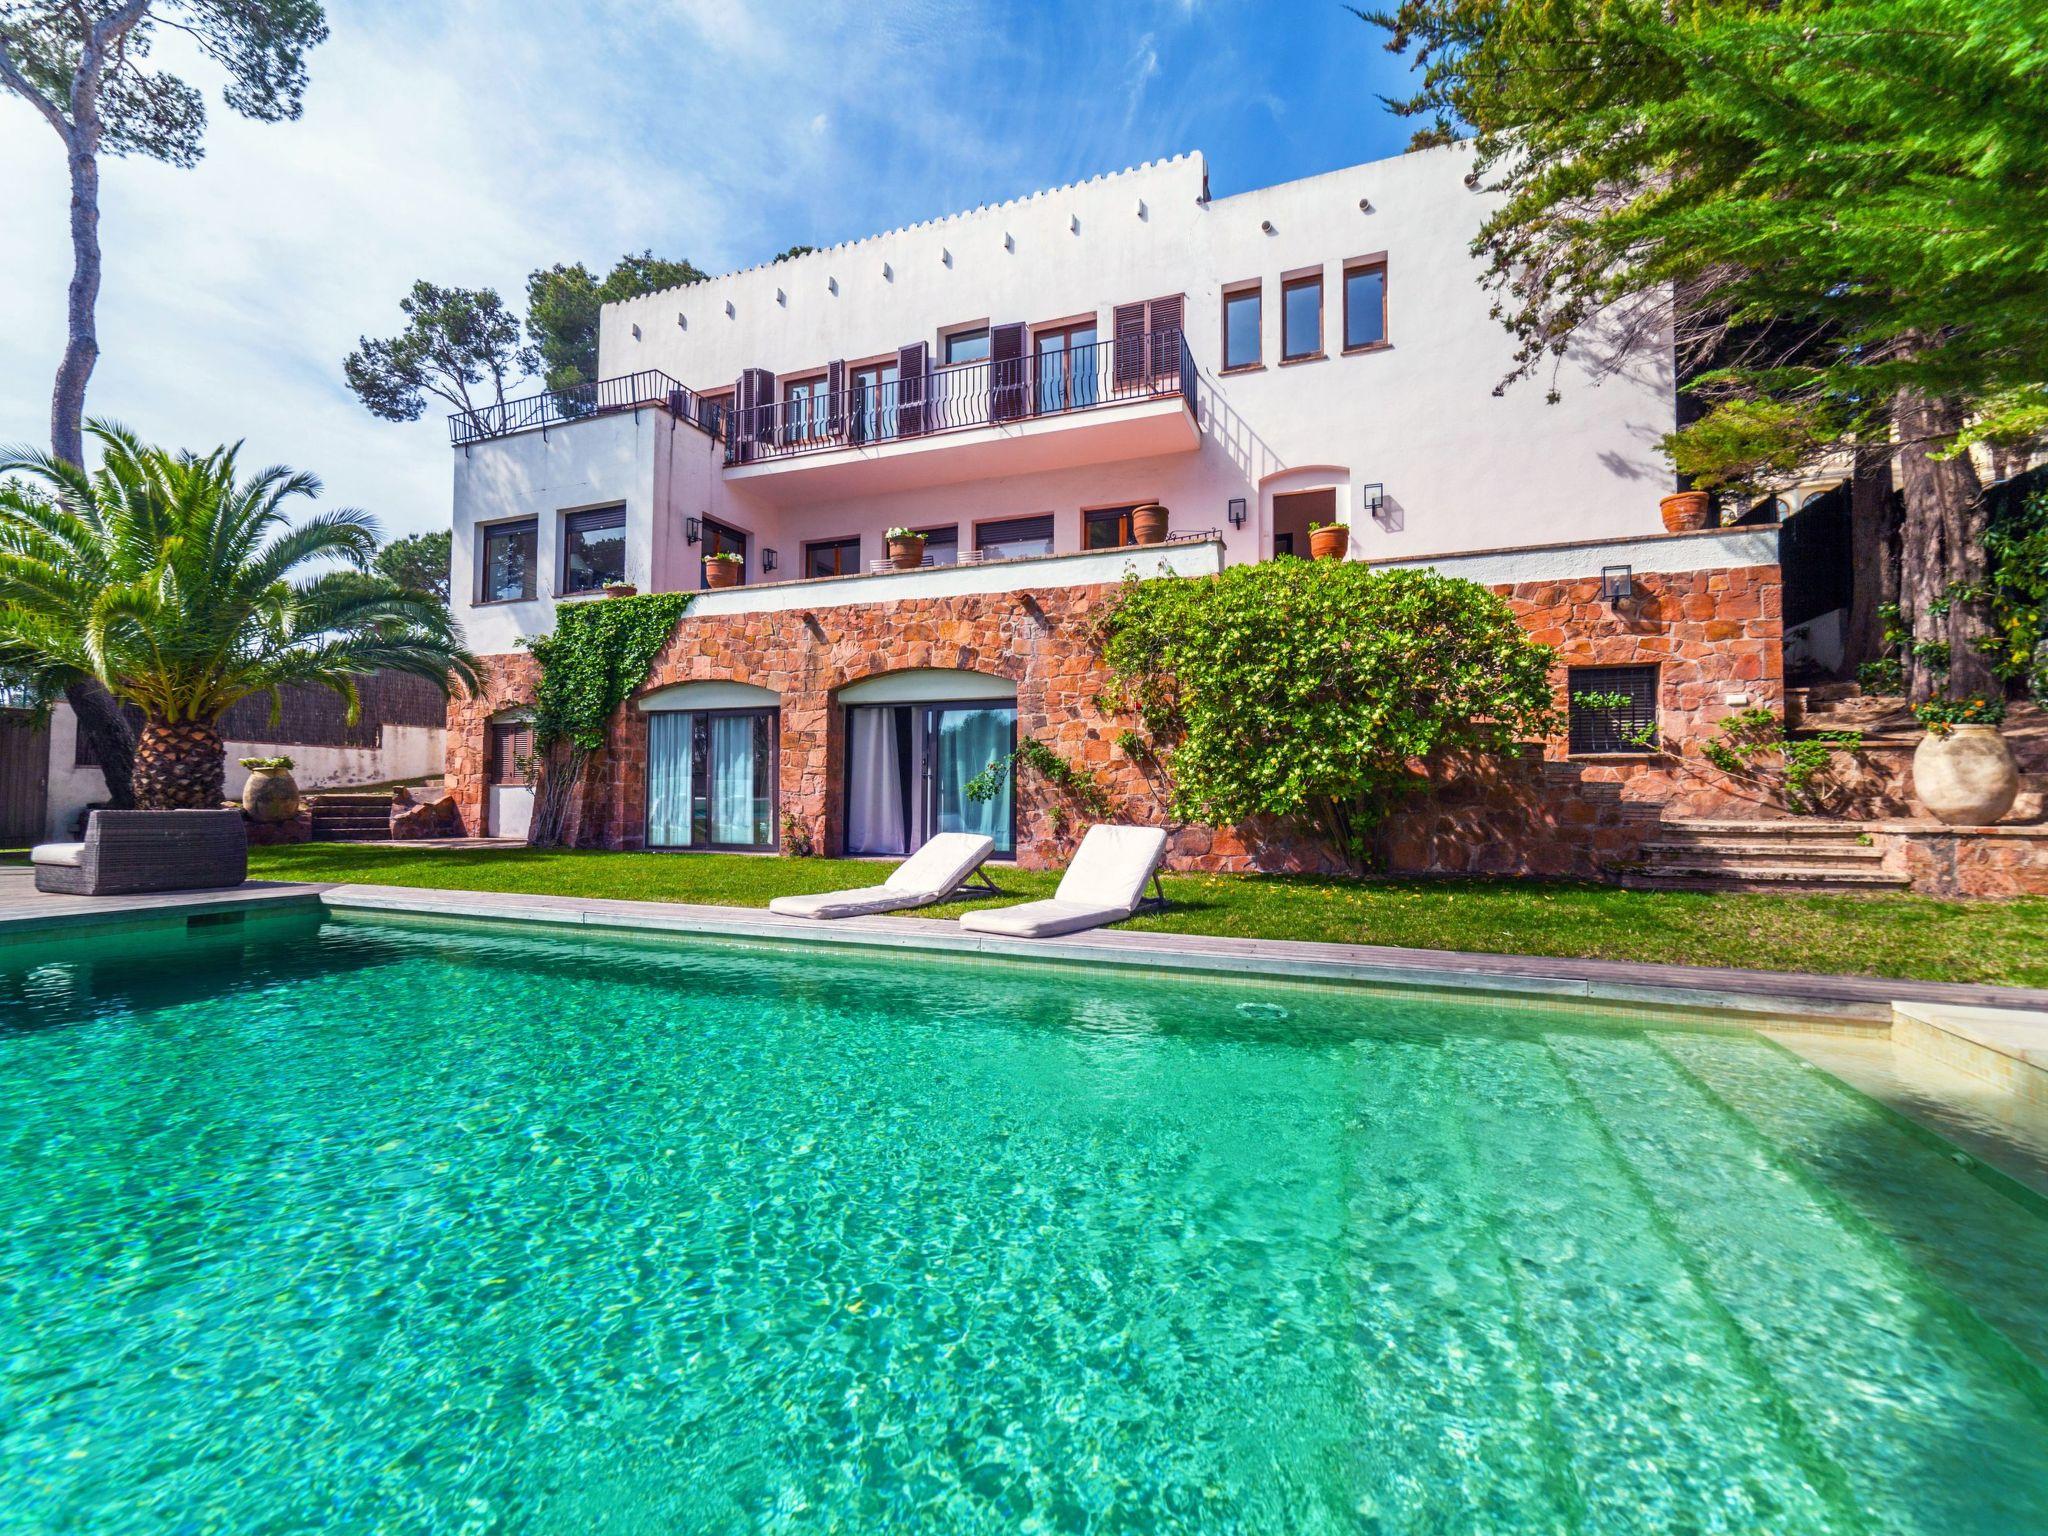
[(366, 1225)]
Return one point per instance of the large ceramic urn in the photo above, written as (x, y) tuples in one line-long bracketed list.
[(1965, 775), (272, 794)]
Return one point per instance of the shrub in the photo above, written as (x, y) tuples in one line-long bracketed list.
[(1941, 716), (1315, 690)]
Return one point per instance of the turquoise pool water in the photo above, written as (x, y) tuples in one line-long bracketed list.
[(354, 1227)]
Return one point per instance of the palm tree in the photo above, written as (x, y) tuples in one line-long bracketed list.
[(170, 582)]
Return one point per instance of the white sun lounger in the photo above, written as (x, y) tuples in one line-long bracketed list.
[(938, 869), (1105, 884)]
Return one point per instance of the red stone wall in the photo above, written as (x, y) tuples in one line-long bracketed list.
[(1713, 633)]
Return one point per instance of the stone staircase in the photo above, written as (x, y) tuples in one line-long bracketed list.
[(342, 817), (1687, 855)]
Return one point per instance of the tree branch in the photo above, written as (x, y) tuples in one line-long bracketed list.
[(12, 77)]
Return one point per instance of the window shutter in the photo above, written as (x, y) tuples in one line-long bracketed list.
[(835, 398), (913, 367), (1007, 394), (1130, 345), (1164, 327)]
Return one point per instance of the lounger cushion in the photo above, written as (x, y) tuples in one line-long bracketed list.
[(1111, 868), (931, 874), (868, 899), (941, 864), (1041, 919), (70, 855)]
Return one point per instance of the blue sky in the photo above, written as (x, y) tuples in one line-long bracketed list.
[(468, 142)]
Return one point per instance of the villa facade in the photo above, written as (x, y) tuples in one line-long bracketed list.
[(1012, 383)]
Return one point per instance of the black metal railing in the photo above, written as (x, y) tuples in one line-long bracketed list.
[(1152, 365), (648, 389)]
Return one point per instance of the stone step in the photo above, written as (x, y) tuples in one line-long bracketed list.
[(1686, 826), (1788, 852), (344, 800), (1778, 877)]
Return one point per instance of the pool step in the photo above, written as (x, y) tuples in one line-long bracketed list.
[(347, 818), (1759, 855)]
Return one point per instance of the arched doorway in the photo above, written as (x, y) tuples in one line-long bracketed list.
[(711, 766), (928, 750)]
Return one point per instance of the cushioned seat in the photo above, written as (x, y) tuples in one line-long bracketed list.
[(70, 855), (1105, 884), (127, 852), (930, 875)]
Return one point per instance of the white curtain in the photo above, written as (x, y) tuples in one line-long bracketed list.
[(668, 780), (969, 741), (732, 779), (874, 821)]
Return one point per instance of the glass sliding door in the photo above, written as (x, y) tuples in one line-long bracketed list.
[(1066, 368), (711, 779), (962, 742)]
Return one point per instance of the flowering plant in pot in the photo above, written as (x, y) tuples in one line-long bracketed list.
[(1329, 541), (271, 793), (1148, 523), (906, 548), (1962, 770), (722, 569), (620, 589)]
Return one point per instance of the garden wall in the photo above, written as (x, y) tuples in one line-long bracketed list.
[(1713, 634)]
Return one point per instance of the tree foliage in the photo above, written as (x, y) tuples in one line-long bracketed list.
[(419, 562), (455, 341), (173, 582), (1844, 207), (563, 303), (1314, 689)]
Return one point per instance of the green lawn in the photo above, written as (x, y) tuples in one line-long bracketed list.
[(1908, 936)]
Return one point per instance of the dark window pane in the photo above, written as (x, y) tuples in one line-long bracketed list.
[(718, 540), (1302, 318), (1611, 727), (1107, 528), (1241, 330), (942, 545), (967, 346), (832, 557), (1016, 538), (508, 559), (593, 549), (1365, 306)]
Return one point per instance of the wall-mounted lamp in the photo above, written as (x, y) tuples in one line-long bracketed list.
[(1237, 512), (730, 312), (832, 285), (768, 561), (888, 273), (636, 333), (945, 256), (1074, 223), (1141, 208), (1373, 498), (781, 297), (1009, 242), (1617, 583), (682, 321), (693, 531)]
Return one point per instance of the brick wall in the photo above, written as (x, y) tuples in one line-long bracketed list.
[(1712, 634)]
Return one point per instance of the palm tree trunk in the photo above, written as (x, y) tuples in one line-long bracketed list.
[(179, 766), (105, 729)]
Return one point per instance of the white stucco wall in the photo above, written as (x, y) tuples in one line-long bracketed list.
[(1462, 468), (407, 752)]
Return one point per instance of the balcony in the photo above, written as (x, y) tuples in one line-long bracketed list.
[(1131, 397), (650, 389)]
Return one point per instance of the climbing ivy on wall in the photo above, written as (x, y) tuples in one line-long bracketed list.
[(599, 653)]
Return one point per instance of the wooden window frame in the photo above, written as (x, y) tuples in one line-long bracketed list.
[(1288, 286), (979, 329), (815, 417), (1352, 268), (1255, 291), (741, 535), (564, 520), (838, 543), (1121, 511), (484, 534), (1024, 517)]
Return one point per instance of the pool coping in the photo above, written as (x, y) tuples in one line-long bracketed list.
[(1855, 1002), (1840, 1001)]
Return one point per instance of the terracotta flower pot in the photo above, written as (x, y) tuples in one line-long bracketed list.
[(721, 573), (907, 554), (1687, 511), (620, 589), (1966, 777), (1148, 523), (270, 795), (1331, 542)]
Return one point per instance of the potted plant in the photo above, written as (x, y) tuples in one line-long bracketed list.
[(1148, 523), (723, 569), (271, 793), (620, 589), (1329, 541), (1963, 771), (906, 548), (1687, 511)]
